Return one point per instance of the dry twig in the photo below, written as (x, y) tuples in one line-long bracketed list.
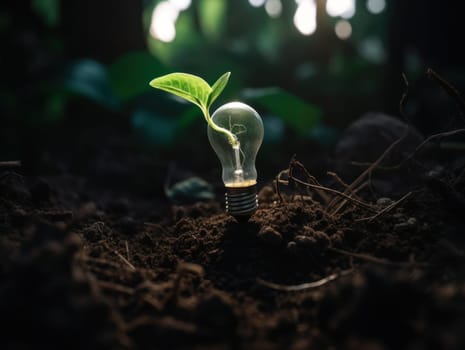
[(304, 286), (374, 259), (338, 193), (10, 164), (448, 88), (123, 259), (386, 209)]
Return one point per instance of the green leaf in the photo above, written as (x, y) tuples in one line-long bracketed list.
[(186, 86), (295, 112), (213, 18), (89, 78), (128, 74), (49, 10), (218, 88)]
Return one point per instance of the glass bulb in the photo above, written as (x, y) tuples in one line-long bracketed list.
[(238, 162)]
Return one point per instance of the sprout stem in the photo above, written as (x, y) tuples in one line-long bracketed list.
[(231, 137)]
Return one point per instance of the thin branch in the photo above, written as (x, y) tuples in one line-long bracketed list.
[(374, 259), (448, 88), (127, 251), (304, 286), (353, 200), (278, 181), (374, 165), (338, 179), (11, 164), (352, 193), (403, 98), (115, 287), (426, 141), (386, 209), (123, 259), (311, 178)]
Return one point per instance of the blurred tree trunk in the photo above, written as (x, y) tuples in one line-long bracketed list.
[(102, 29)]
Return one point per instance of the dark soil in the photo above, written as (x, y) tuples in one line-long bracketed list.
[(89, 264)]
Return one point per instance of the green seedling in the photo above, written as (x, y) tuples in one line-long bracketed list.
[(196, 90), (235, 132)]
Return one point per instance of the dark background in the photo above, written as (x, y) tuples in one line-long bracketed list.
[(74, 94)]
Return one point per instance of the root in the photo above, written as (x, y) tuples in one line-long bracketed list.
[(312, 183), (386, 209), (304, 286), (448, 88), (376, 260), (123, 259)]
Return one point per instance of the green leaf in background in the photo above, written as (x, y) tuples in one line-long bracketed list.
[(213, 15), (218, 88), (191, 189), (295, 112), (128, 74), (89, 78), (156, 129), (49, 10), (187, 86)]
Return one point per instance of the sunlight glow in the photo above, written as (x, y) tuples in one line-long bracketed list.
[(181, 5), (162, 26), (340, 8), (343, 29), (274, 8), (305, 17), (376, 6), (256, 3)]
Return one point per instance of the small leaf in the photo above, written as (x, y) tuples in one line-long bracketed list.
[(187, 86), (218, 88)]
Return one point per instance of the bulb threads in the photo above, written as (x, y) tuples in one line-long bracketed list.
[(241, 201)]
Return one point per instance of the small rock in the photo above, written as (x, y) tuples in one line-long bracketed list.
[(409, 223), (384, 201), (317, 243), (304, 241), (322, 239), (270, 236), (87, 209), (412, 221), (292, 248)]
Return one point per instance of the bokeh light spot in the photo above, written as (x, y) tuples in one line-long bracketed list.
[(343, 29), (376, 6), (305, 17), (162, 25), (256, 3), (274, 8), (340, 8), (181, 4)]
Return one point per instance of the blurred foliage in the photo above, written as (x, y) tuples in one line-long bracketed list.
[(48, 10), (129, 75), (298, 114), (308, 85)]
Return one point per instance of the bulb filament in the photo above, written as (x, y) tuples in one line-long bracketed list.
[(238, 172)]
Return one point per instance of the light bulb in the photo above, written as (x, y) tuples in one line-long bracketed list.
[(238, 161)]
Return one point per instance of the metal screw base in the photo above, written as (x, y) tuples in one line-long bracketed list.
[(241, 201)]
